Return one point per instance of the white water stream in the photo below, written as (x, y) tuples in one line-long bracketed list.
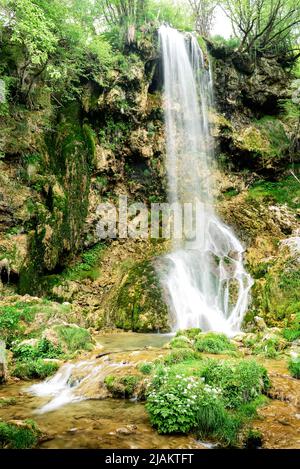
[(206, 282), (73, 382)]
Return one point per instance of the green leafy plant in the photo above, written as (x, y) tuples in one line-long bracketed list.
[(292, 332), (189, 333), (121, 386), (294, 367), (172, 407), (43, 349), (213, 343), (241, 381), (146, 368), (75, 338), (34, 369), (22, 436), (12, 320), (180, 355), (181, 342)]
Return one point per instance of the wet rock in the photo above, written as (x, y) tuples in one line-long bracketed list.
[(129, 430), (30, 342), (260, 323), (3, 363)]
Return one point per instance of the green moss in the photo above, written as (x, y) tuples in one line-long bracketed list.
[(180, 356), (57, 234), (139, 303), (189, 333), (181, 342), (122, 386), (265, 139), (88, 267), (90, 139), (284, 191), (273, 130), (276, 295), (34, 369), (213, 343), (15, 436), (7, 401)]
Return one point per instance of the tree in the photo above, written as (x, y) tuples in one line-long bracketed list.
[(126, 15), (203, 13), (33, 33), (268, 27)]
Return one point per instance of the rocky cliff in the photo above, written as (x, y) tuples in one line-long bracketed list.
[(58, 162)]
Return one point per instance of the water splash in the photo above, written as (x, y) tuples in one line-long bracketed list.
[(74, 382), (206, 282)]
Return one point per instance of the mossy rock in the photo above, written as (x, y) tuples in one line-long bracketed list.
[(18, 434), (35, 369), (139, 304), (262, 144), (122, 386), (181, 341), (276, 295), (211, 342)]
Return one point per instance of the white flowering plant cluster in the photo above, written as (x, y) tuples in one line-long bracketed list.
[(173, 402)]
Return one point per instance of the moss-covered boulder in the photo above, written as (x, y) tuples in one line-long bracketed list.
[(19, 434), (139, 304), (276, 294)]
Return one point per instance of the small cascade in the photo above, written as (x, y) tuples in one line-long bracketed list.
[(74, 382), (206, 283)]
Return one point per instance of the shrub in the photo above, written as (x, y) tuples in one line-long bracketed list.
[(180, 355), (269, 348), (34, 369), (11, 318), (189, 333), (182, 404), (75, 338), (181, 342), (121, 386), (240, 381), (43, 349), (145, 368), (210, 414), (213, 343), (294, 367), (172, 407), (19, 436), (292, 332)]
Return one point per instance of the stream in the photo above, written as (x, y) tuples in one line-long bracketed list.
[(73, 408), (91, 422)]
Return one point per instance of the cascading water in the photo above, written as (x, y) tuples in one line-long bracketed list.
[(206, 282), (74, 382)]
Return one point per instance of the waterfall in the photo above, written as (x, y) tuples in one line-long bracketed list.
[(205, 280)]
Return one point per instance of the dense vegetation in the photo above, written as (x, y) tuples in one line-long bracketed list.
[(81, 122)]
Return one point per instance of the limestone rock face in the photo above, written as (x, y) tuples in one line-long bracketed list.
[(247, 86), (139, 304), (250, 129)]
